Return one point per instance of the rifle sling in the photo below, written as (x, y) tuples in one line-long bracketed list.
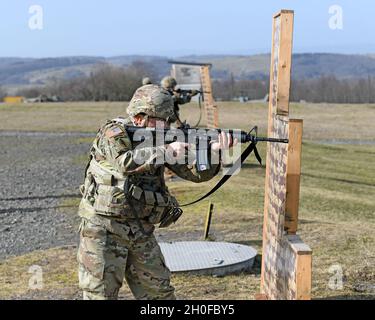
[(226, 177)]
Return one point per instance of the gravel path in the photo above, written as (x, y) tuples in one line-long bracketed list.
[(39, 178), (38, 175)]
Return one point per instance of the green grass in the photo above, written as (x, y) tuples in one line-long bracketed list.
[(58, 271), (321, 121)]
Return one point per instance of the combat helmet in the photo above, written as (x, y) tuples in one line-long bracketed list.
[(152, 100), (168, 83), (146, 80)]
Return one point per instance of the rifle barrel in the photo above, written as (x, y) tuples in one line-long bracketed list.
[(272, 140)]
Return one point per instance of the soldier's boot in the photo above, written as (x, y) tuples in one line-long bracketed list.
[(146, 273)]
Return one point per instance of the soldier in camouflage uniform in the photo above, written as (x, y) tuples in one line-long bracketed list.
[(169, 83), (116, 232)]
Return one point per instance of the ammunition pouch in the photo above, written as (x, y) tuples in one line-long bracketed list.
[(156, 207), (111, 201), (108, 193), (171, 216)]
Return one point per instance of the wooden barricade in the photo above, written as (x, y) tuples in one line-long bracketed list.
[(286, 260)]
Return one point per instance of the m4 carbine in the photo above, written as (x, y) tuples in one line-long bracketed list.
[(186, 92), (202, 139)]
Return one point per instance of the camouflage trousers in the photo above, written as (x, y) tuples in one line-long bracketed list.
[(107, 255)]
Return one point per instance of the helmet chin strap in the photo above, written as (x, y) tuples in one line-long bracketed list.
[(169, 119), (146, 118)]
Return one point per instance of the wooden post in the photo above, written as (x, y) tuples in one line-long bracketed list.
[(212, 115), (260, 296), (278, 111), (285, 60), (303, 277), (286, 260), (300, 270), (173, 71), (293, 175), (208, 220)]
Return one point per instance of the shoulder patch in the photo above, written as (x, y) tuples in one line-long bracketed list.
[(113, 132)]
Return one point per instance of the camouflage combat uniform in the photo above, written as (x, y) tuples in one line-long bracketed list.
[(169, 83), (117, 242)]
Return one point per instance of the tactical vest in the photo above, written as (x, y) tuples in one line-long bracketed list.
[(108, 192)]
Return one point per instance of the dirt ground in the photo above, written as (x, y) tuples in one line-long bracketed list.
[(44, 148)]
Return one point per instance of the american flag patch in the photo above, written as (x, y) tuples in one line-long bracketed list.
[(113, 132)]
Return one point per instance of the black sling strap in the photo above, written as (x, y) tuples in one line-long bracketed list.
[(237, 164)]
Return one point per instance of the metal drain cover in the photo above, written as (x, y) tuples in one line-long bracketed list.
[(206, 257)]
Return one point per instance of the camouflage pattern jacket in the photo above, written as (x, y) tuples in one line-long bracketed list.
[(112, 162)]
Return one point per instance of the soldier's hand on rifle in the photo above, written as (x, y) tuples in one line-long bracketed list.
[(177, 150), (177, 92), (194, 93), (224, 142)]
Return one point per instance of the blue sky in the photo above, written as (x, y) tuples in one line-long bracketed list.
[(175, 28)]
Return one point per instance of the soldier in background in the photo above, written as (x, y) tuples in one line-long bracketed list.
[(169, 83), (123, 200)]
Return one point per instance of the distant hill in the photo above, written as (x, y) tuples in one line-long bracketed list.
[(22, 71), (305, 65), (16, 72)]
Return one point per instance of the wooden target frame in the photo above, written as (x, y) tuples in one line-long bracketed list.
[(212, 113), (286, 260), (210, 107)]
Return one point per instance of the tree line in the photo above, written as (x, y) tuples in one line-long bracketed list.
[(111, 83), (3, 93), (327, 89), (105, 83)]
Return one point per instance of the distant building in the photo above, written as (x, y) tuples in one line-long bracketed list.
[(44, 98), (241, 99), (14, 99)]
